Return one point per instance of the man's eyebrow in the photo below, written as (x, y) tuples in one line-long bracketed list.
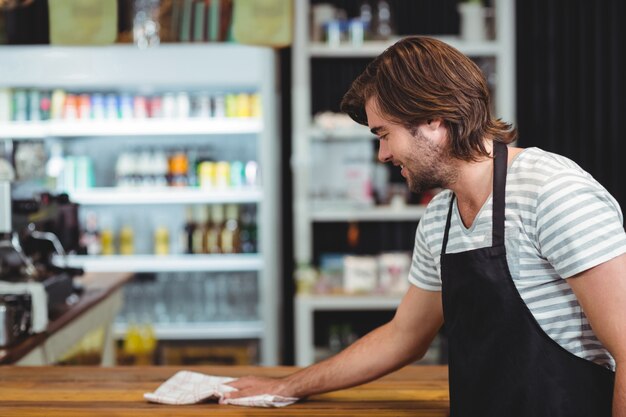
[(376, 129)]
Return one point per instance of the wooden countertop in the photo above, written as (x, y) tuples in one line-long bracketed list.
[(87, 391), (98, 286)]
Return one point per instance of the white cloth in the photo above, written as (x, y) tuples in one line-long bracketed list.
[(187, 387), (39, 301)]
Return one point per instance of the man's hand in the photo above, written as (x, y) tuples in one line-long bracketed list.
[(249, 386)]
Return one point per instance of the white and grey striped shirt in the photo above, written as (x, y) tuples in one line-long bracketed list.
[(559, 222)]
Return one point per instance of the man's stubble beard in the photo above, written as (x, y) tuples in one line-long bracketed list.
[(429, 166)]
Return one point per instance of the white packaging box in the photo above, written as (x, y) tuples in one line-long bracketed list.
[(360, 274), (394, 272)]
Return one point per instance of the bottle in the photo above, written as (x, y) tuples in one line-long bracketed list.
[(160, 168), (384, 30), (179, 166), (188, 231), (161, 241), (230, 231), (55, 168), (146, 23), (366, 18), (84, 107), (145, 169), (57, 104), (90, 239), (248, 232), (214, 231), (127, 246), (107, 241), (200, 230)]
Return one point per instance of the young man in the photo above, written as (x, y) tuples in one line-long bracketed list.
[(523, 255)]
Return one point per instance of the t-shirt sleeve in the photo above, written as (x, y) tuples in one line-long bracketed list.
[(424, 272), (579, 224)]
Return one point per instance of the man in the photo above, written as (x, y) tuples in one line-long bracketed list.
[(523, 255)]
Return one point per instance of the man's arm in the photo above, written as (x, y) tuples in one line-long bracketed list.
[(401, 341), (601, 292)]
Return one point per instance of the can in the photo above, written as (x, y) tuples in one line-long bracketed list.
[(255, 105), (243, 105), (222, 174), (231, 105), (237, 174), (207, 174)]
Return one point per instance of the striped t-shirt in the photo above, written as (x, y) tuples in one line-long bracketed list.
[(559, 221)]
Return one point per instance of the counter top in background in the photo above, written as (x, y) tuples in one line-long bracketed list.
[(70, 326), (92, 391)]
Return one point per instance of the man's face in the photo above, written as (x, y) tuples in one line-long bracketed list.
[(421, 154)]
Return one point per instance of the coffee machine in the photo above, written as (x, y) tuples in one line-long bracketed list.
[(36, 284)]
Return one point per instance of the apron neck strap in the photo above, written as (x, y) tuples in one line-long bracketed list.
[(500, 163)]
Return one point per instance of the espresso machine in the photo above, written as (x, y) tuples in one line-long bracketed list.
[(36, 284)]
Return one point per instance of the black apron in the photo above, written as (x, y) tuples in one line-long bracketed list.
[(501, 363)]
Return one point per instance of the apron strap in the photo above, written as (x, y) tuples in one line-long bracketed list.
[(447, 229), (500, 164), (499, 185)]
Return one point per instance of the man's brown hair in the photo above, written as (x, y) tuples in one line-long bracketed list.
[(420, 79)]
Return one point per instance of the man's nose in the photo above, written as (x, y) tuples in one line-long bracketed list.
[(383, 152)]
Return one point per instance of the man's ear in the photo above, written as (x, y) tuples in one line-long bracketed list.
[(434, 124)]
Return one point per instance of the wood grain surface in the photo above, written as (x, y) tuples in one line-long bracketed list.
[(91, 391)]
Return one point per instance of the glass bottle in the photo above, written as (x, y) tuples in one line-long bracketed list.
[(188, 231), (230, 231), (200, 230), (213, 238)]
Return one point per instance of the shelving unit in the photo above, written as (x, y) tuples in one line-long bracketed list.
[(203, 331), (168, 195), (502, 49), (371, 214), (164, 263), (213, 68), (147, 127)]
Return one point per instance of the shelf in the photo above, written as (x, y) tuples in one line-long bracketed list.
[(169, 263), (348, 302), (372, 49), (170, 195), (217, 66), (146, 127), (376, 213), (202, 331), (356, 132)]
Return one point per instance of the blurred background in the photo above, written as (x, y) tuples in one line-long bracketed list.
[(201, 145)]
